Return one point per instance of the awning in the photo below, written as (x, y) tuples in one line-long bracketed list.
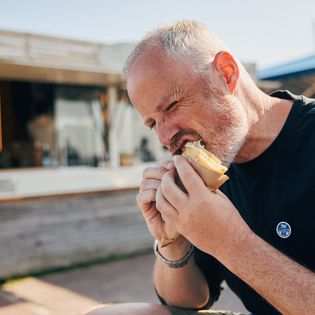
[(40, 58), (298, 76), (299, 67)]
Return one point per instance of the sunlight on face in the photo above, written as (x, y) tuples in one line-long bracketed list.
[(194, 111)]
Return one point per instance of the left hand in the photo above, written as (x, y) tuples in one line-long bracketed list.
[(207, 219)]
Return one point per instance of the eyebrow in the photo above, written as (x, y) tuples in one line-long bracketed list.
[(163, 100)]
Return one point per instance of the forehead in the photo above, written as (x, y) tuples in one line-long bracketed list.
[(153, 76)]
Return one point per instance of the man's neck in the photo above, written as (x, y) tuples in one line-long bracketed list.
[(266, 119)]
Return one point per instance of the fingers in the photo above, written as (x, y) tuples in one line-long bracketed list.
[(168, 212), (153, 219), (145, 199), (168, 165), (147, 184), (151, 181), (157, 172), (173, 194), (190, 179), (149, 190), (154, 172)]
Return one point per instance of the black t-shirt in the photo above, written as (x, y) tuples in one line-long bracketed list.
[(275, 195)]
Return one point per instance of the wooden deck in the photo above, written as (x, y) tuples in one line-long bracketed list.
[(35, 297)]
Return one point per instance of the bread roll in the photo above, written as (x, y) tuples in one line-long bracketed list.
[(209, 168)]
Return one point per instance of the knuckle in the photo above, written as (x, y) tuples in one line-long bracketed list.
[(165, 187), (139, 200), (158, 200), (143, 186), (153, 172), (146, 172), (158, 204), (185, 174), (160, 172), (149, 184), (167, 164)]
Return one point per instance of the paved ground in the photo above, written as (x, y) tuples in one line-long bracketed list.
[(127, 280)]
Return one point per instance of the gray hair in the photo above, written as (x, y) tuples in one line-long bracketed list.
[(187, 40)]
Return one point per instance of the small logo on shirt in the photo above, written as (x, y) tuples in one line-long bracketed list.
[(283, 229)]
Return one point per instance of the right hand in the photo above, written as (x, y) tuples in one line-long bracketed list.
[(146, 200), (151, 181)]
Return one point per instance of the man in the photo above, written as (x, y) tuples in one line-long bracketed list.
[(258, 233)]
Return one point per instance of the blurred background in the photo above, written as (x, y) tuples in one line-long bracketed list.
[(72, 148)]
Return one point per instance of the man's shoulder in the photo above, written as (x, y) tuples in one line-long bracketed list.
[(302, 99), (309, 103)]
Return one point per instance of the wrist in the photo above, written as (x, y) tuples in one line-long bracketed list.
[(179, 263), (176, 250)]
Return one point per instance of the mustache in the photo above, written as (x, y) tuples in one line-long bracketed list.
[(176, 140)]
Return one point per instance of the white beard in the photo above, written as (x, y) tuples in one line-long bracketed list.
[(233, 128)]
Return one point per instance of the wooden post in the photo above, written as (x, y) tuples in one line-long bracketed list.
[(113, 143), (1, 143)]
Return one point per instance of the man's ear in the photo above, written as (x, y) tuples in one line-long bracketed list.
[(226, 65)]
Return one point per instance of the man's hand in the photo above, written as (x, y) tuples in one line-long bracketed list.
[(146, 197), (207, 219), (211, 222), (184, 287), (146, 200)]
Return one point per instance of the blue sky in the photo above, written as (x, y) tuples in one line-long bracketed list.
[(267, 32)]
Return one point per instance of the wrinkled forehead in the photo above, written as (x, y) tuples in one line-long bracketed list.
[(153, 75), (151, 64)]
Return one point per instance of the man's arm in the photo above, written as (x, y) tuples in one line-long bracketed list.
[(285, 284), (211, 222), (183, 287)]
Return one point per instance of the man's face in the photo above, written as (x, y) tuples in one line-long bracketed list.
[(178, 104)]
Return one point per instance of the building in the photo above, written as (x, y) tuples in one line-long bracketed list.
[(298, 76), (58, 99), (63, 105), (64, 111)]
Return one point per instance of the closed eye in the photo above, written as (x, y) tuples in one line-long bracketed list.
[(171, 106), (152, 124)]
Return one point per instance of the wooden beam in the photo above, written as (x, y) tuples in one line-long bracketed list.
[(13, 72)]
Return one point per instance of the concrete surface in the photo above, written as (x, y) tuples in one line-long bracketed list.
[(128, 280), (35, 182)]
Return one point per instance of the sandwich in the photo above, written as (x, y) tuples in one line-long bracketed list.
[(209, 168)]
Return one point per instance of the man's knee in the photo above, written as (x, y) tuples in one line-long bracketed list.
[(129, 309)]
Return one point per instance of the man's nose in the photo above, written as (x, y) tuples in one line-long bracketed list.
[(166, 133)]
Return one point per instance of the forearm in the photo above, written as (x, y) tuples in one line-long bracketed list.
[(183, 287), (285, 284)]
